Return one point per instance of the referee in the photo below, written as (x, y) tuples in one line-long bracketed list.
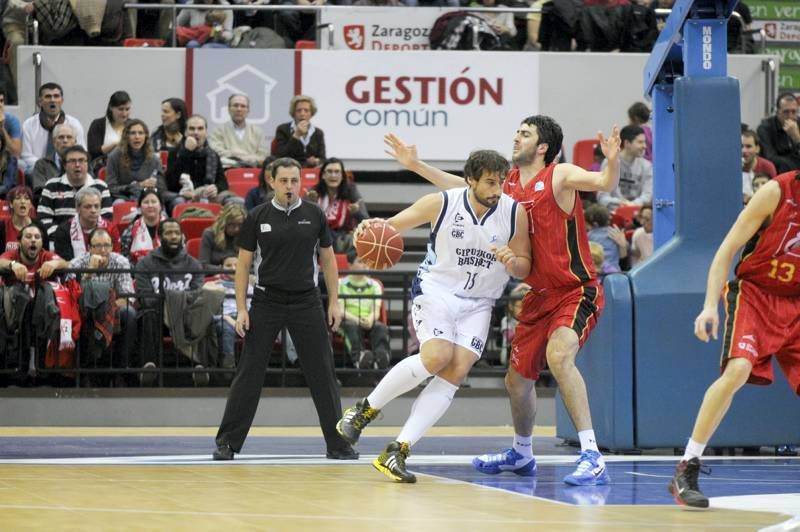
[(287, 231)]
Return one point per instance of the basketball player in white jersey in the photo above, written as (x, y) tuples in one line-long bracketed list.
[(479, 237)]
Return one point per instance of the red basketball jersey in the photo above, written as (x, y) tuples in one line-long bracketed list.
[(771, 259), (559, 242)]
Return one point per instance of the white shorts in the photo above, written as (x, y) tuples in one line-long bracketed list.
[(462, 321)]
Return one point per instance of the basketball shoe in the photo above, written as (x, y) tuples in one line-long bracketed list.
[(591, 470), (505, 460), (684, 484), (355, 419), (392, 462)]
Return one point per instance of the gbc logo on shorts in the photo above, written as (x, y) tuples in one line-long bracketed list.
[(477, 343)]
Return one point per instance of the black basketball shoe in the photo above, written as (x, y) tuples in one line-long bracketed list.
[(684, 484)]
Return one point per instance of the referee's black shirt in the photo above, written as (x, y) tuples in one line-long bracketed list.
[(288, 241)]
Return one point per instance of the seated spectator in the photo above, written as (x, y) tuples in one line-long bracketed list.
[(10, 147), (37, 131), (780, 135), (57, 204), (532, 23), (71, 238), (133, 165), (297, 25), (20, 201), (642, 239), (96, 339), (639, 115), (48, 167), (141, 237), (635, 172), (501, 22), (220, 240), (173, 123), (508, 323), (363, 316), (610, 237), (263, 192), (752, 163), (15, 30), (226, 322), (602, 267), (300, 139), (212, 29), (105, 133), (184, 273), (341, 203), (239, 144), (194, 170), (30, 258)]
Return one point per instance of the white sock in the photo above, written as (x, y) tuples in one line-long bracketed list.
[(693, 450), (524, 445), (431, 404), (403, 377), (588, 443)]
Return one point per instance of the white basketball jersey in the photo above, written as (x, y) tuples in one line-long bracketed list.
[(460, 258)]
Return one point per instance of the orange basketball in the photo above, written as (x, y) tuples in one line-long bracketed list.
[(379, 246)]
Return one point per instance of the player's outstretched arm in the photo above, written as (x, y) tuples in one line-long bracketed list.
[(406, 155), (570, 176), (746, 225), (423, 211), (517, 254)]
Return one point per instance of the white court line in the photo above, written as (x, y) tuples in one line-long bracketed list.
[(712, 478)]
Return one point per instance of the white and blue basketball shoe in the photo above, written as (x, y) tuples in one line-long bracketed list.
[(505, 460), (591, 470)]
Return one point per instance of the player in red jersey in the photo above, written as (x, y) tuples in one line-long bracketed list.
[(562, 308), (762, 305)]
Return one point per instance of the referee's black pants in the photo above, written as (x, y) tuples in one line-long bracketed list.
[(272, 310)]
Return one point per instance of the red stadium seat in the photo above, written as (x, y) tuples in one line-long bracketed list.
[(309, 177), (305, 45), (123, 209), (583, 153), (215, 208), (194, 227), (242, 180), (164, 158), (102, 173), (193, 247), (341, 262), (143, 43)]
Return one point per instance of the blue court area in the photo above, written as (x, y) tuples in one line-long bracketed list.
[(635, 480)]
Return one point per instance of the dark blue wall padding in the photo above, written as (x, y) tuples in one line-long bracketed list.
[(606, 363)]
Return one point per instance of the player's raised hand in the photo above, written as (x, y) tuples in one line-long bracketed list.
[(707, 324), (405, 154), (610, 146)]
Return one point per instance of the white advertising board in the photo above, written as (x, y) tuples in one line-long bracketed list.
[(449, 102), (380, 28)]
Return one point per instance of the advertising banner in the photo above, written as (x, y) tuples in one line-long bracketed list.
[(449, 102), (380, 28), (265, 76)]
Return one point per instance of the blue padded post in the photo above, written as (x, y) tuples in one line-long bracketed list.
[(606, 362)]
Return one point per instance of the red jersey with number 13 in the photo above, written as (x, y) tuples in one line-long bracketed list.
[(771, 259), (559, 242)]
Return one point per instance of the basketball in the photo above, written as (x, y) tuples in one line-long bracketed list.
[(379, 246)]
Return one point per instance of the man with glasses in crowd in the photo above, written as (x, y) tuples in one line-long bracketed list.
[(57, 204)]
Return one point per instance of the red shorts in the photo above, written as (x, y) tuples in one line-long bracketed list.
[(759, 325), (545, 311)]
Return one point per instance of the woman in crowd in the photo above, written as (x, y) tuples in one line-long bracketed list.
[(133, 165), (20, 200), (105, 132), (173, 124), (341, 202), (141, 236), (219, 240), (8, 168), (263, 192)]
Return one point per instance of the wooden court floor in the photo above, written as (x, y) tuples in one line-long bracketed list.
[(297, 493)]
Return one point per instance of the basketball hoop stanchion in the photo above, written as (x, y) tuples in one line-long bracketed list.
[(691, 47)]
